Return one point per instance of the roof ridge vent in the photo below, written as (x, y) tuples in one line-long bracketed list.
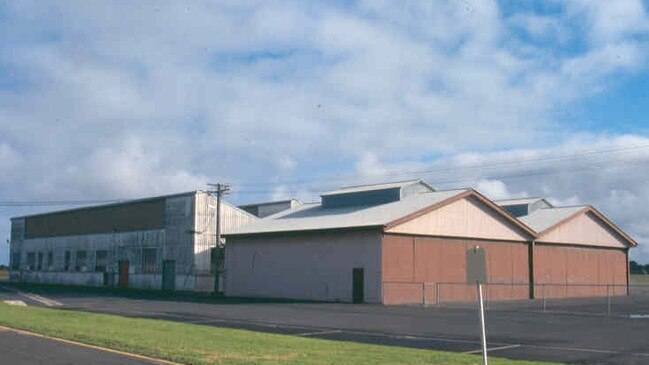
[(375, 194)]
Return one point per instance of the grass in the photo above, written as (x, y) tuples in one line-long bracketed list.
[(635, 279), (196, 344)]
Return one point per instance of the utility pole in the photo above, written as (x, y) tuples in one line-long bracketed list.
[(220, 190)]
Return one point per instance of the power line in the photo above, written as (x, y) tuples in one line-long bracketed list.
[(402, 173), (479, 177), (325, 183)]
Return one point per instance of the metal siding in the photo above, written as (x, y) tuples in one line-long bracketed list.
[(585, 229), (303, 266), (127, 217), (174, 241), (205, 229), (398, 259), (575, 266), (467, 217), (444, 260)]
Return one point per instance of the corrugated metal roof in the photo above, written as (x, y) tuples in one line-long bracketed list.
[(542, 219), (125, 202), (271, 203), (359, 188), (517, 201), (315, 217)]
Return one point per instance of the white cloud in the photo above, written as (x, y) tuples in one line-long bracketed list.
[(109, 100)]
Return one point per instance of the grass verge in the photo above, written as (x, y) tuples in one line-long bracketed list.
[(635, 279), (196, 344)]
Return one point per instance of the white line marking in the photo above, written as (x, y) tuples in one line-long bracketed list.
[(581, 349), (37, 298), (318, 333), (18, 303), (493, 349), (199, 321)]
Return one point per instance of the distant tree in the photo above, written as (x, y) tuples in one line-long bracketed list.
[(636, 268)]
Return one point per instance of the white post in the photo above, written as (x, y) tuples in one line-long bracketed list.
[(483, 331), (608, 300)]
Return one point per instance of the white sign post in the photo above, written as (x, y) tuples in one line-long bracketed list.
[(476, 273)]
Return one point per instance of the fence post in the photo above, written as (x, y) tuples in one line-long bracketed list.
[(436, 294), (487, 292), (423, 293), (608, 300), (543, 296)]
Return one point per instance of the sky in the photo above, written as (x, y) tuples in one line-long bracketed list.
[(111, 100)]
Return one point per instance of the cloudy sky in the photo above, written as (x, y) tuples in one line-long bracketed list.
[(115, 100)]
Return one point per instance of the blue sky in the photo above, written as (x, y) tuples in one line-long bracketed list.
[(115, 100)]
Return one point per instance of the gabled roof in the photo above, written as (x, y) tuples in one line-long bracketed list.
[(371, 187), (548, 219), (310, 217), (543, 219)]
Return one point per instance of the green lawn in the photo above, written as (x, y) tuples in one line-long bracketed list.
[(196, 344), (638, 279)]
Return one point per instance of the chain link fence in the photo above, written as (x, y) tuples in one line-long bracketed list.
[(590, 299)]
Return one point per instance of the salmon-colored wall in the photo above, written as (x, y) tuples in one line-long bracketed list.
[(408, 262), (579, 268)]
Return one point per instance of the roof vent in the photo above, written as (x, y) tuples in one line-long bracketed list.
[(524, 206), (262, 210), (377, 194)]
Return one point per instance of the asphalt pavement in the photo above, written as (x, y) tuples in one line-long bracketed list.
[(20, 349), (515, 334)]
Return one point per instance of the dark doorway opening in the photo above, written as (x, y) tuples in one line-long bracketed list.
[(168, 275), (358, 282), (123, 274)]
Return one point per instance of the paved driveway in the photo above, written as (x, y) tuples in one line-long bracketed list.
[(516, 334), (22, 349)]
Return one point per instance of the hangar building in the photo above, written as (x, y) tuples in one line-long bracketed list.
[(576, 246), (388, 243), (162, 242)]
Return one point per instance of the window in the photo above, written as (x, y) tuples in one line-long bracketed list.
[(39, 266), (82, 258), (101, 257), (149, 260), (50, 260), (31, 260), (66, 266), (15, 261)]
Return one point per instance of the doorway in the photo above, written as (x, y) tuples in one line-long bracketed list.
[(169, 275), (123, 274), (358, 283)]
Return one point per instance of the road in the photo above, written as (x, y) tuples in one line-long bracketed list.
[(16, 348), (580, 339)]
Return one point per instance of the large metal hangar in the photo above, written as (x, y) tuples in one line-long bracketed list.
[(406, 243), (164, 242)]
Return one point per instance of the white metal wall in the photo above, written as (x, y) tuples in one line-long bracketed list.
[(205, 227), (315, 266)]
